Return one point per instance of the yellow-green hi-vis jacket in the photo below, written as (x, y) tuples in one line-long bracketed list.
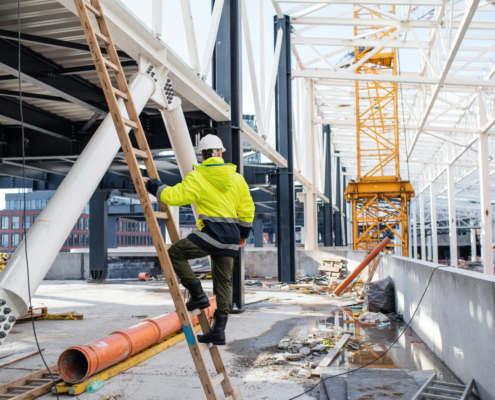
[(223, 201)]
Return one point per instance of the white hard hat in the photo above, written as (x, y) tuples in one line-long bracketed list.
[(211, 142)]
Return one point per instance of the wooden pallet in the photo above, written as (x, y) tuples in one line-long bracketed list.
[(332, 267), (31, 386), (42, 311), (122, 124)]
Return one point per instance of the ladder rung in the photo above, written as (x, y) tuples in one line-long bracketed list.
[(103, 38), (218, 380), (161, 215), (238, 395), (8, 396), (92, 9), (436, 396), (140, 153), (55, 374), (25, 388), (38, 380), (437, 389), (194, 313), (205, 346), (456, 385), (130, 123), (120, 93), (110, 64)]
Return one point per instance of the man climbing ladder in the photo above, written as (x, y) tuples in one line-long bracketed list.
[(226, 213)]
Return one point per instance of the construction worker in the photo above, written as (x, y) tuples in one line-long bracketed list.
[(226, 213)]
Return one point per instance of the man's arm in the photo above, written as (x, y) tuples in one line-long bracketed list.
[(186, 192)]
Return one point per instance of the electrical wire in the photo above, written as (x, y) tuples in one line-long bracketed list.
[(24, 192), (391, 346)]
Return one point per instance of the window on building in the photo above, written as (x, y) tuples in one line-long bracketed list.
[(81, 223), (120, 226), (76, 226), (43, 204), (76, 239), (35, 217), (5, 222), (71, 239), (26, 223), (15, 239), (15, 222), (5, 240), (87, 239), (87, 223)]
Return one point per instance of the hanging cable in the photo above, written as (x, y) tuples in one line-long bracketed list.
[(386, 351), (24, 192)]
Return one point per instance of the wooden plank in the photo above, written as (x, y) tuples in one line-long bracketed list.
[(331, 355), (323, 259), (119, 93), (130, 123), (92, 9), (140, 153), (218, 380), (110, 65), (17, 357), (103, 38), (329, 268), (161, 215)]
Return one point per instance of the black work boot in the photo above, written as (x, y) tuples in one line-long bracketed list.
[(216, 334), (198, 297)]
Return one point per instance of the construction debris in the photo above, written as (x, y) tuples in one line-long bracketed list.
[(4, 258), (373, 318), (332, 267)]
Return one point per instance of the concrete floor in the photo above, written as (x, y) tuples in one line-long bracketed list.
[(171, 374)]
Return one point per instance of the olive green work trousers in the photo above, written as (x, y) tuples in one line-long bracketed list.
[(221, 271)]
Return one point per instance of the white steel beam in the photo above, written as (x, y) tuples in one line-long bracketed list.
[(431, 3), (414, 222), (273, 81), (433, 217), (249, 135), (192, 46), (485, 195), (396, 44), (473, 245), (452, 216), (211, 38), (422, 226)]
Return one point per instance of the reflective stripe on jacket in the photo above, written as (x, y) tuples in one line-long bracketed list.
[(223, 201)]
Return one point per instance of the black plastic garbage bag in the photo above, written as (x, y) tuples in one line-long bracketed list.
[(379, 296)]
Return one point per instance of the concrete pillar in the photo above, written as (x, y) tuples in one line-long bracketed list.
[(310, 207), (433, 216), (422, 225), (98, 235), (486, 239), (473, 244), (112, 231), (258, 232), (452, 216), (414, 235)]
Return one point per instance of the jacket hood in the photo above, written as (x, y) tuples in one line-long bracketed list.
[(218, 173)]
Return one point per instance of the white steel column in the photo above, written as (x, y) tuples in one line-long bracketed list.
[(452, 216), (433, 217), (50, 231), (310, 207), (409, 230), (414, 235), (422, 225), (473, 244), (485, 198)]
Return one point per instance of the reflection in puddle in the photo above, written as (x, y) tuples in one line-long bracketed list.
[(372, 342)]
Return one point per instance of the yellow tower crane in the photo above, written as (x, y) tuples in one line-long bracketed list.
[(379, 196)]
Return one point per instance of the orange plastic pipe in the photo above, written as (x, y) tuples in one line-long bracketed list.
[(361, 266), (78, 363)]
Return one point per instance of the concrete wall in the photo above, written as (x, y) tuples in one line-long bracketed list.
[(455, 318), (263, 261), (69, 266)]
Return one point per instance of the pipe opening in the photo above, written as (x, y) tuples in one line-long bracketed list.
[(73, 366)]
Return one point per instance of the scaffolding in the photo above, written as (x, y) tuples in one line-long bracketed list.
[(379, 196)]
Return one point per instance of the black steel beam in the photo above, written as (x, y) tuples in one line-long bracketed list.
[(286, 242), (25, 37), (344, 202), (90, 67), (227, 72), (338, 201), (39, 71), (36, 119), (26, 95), (328, 208), (98, 236)]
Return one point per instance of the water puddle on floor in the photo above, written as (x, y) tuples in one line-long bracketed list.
[(409, 352)]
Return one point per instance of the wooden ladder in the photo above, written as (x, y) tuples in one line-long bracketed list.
[(31, 386), (143, 152)]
